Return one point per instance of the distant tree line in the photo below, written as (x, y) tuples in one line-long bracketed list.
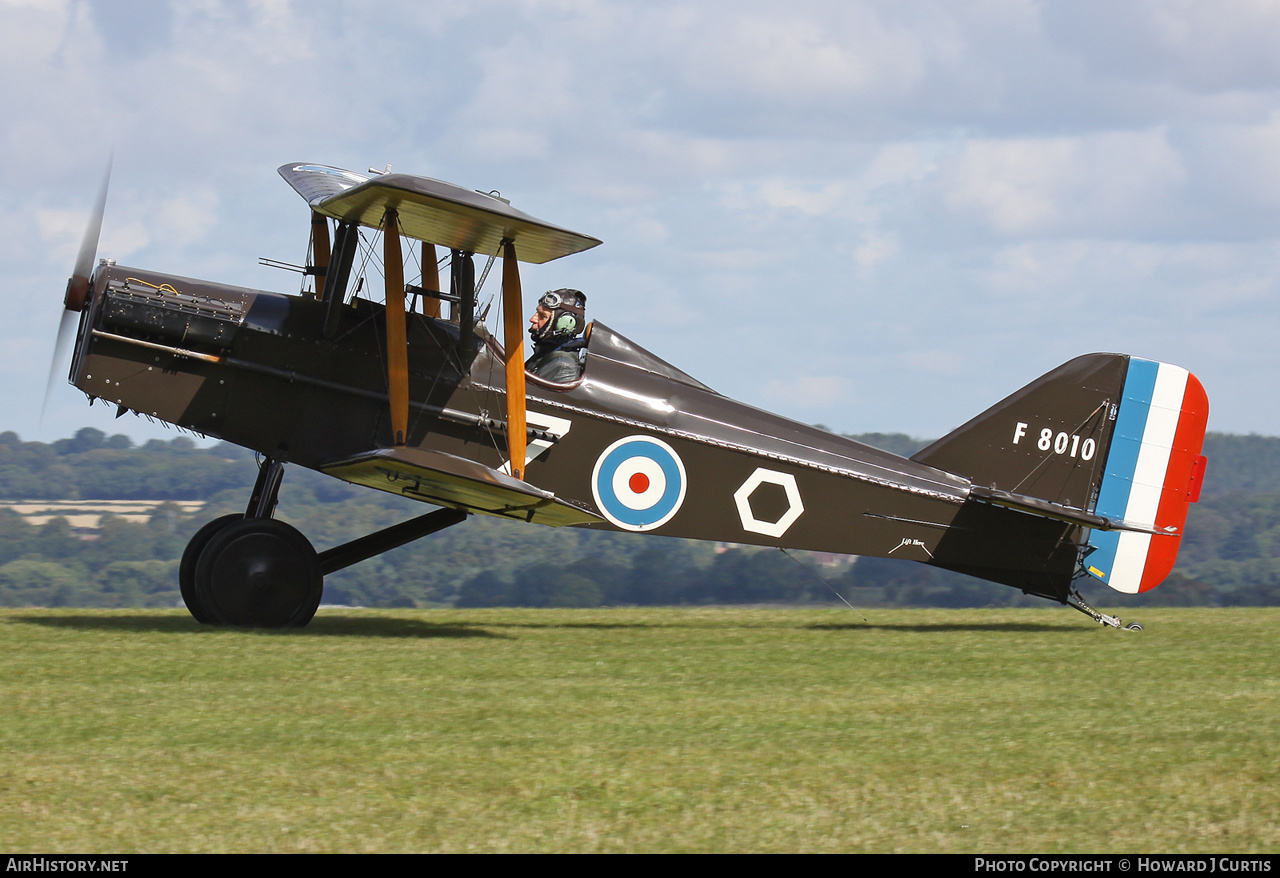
[(1230, 556)]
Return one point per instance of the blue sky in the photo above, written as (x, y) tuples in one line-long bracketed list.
[(880, 216)]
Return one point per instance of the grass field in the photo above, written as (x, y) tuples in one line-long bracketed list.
[(642, 730)]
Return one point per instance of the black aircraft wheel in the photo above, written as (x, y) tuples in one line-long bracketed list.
[(259, 573), (187, 569), (1133, 626)]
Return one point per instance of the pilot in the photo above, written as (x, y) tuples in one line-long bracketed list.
[(554, 327)]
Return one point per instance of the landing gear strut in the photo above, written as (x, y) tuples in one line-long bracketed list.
[(255, 572)]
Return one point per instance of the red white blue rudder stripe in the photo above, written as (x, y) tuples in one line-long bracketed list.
[(1152, 475)]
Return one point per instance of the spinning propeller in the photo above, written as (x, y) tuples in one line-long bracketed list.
[(77, 286)]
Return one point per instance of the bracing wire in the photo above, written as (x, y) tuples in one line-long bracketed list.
[(829, 586)]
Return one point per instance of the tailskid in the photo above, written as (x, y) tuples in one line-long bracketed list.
[(1077, 601)]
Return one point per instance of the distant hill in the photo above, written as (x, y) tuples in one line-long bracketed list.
[(1245, 464), (897, 443)]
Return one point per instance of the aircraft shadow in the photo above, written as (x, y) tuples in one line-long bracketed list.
[(1005, 627), (1002, 628), (327, 625), (321, 626)]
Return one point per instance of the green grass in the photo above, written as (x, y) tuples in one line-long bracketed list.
[(641, 730)]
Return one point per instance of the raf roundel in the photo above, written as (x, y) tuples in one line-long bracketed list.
[(639, 483)]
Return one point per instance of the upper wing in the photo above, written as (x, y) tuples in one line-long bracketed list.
[(433, 211)]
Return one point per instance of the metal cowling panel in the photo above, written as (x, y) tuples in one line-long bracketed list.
[(158, 313)]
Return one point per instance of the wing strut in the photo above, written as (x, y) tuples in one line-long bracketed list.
[(462, 280), (430, 280), (397, 342), (513, 336), (345, 244), (319, 250)]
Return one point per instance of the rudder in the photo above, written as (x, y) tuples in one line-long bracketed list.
[(1153, 474)]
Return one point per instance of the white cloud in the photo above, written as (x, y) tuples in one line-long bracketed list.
[(184, 219), (804, 58), (815, 392), (1206, 47), (1115, 183), (34, 31), (62, 230), (875, 248)]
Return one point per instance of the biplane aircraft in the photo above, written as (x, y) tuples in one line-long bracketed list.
[(1087, 471)]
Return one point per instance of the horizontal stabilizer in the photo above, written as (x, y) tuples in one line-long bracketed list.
[(433, 211), (1070, 514), (446, 480)]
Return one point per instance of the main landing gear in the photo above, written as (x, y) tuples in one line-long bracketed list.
[(255, 572)]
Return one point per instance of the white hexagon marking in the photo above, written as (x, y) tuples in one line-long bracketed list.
[(742, 498)]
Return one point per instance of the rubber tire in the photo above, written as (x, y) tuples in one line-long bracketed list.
[(259, 573), (187, 569)]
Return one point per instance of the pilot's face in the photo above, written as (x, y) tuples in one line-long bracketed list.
[(540, 318)]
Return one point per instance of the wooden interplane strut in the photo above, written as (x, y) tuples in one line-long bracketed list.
[(397, 338), (513, 341), (430, 280)]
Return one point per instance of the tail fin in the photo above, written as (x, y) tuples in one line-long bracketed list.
[(1107, 442)]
